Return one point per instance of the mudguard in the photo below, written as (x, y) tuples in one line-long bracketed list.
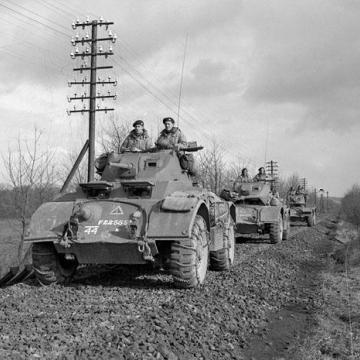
[(49, 219), (179, 202), (269, 214), (169, 219)]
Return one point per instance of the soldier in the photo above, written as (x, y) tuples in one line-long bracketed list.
[(171, 137), (243, 178), (261, 175), (245, 175), (138, 139)]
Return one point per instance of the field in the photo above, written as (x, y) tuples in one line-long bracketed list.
[(9, 243)]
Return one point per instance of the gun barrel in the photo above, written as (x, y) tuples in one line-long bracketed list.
[(121, 165)]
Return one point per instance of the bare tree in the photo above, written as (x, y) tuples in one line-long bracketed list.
[(113, 135), (284, 184), (31, 175), (212, 168), (80, 175)]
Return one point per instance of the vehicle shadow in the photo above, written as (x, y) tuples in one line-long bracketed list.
[(252, 239), (139, 276)]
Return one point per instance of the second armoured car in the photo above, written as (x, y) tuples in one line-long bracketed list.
[(259, 211), (299, 210), (145, 209)]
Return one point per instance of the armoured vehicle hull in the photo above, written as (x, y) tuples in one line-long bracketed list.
[(259, 212), (145, 209)]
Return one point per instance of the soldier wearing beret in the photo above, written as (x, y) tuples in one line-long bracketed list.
[(138, 139), (243, 178), (171, 137), (261, 175)]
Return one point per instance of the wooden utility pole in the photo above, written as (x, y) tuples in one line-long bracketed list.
[(93, 52), (327, 201), (272, 168)]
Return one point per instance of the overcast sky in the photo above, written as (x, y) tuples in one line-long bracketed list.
[(268, 79)]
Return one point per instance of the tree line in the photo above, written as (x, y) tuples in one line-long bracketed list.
[(35, 177)]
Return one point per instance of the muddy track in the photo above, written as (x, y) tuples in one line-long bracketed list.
[(126, 314)]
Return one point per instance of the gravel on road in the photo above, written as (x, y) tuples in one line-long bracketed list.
[(126, 314)]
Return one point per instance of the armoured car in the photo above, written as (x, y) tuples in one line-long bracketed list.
[(144, 209), (259, 210), (299, 211)]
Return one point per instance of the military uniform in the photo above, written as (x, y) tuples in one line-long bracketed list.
[(169, 139), (239, 181), (260, 177), (138, 141)]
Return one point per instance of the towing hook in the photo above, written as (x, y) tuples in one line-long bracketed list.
[(141, 247)]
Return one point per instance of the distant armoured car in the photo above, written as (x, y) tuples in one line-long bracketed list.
[(299, 211), (145, 209), (259, 211)]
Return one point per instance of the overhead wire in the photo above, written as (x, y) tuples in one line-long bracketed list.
[(159, 97), (34, 20), (39, 16)]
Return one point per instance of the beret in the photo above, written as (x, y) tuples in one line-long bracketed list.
[(138, 122), (168, 119)]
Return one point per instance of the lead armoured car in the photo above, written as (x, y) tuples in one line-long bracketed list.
[(259, 210), (145, 209)]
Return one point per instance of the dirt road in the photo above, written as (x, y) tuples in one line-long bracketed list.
[(261, 309)]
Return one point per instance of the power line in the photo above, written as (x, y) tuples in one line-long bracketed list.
[(42, 17), (34, 20)]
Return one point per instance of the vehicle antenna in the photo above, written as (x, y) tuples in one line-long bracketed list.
[(182, 76)]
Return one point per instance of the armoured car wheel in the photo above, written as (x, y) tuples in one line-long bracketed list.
[(286, 231), (311, 220), (49, 266), (189, 258), (223, 259), (276, 231)]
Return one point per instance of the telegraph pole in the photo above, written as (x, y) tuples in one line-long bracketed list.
[(303, 183), (327, 201), (94, 51), (272, 168), (92, 103)]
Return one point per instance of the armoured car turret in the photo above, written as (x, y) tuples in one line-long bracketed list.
[(145, 209)]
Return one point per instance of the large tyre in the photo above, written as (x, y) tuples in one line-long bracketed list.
[(223, 259), (189, 258), (51, 267), (276, 231), (311, 220), (286, 231)]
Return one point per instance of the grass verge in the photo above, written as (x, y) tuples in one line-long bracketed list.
[(337, 334)]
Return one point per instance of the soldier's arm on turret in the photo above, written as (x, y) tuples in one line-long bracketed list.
[(125, 145), (182, 139), (159, 143), (148, 144), (236, 185)]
